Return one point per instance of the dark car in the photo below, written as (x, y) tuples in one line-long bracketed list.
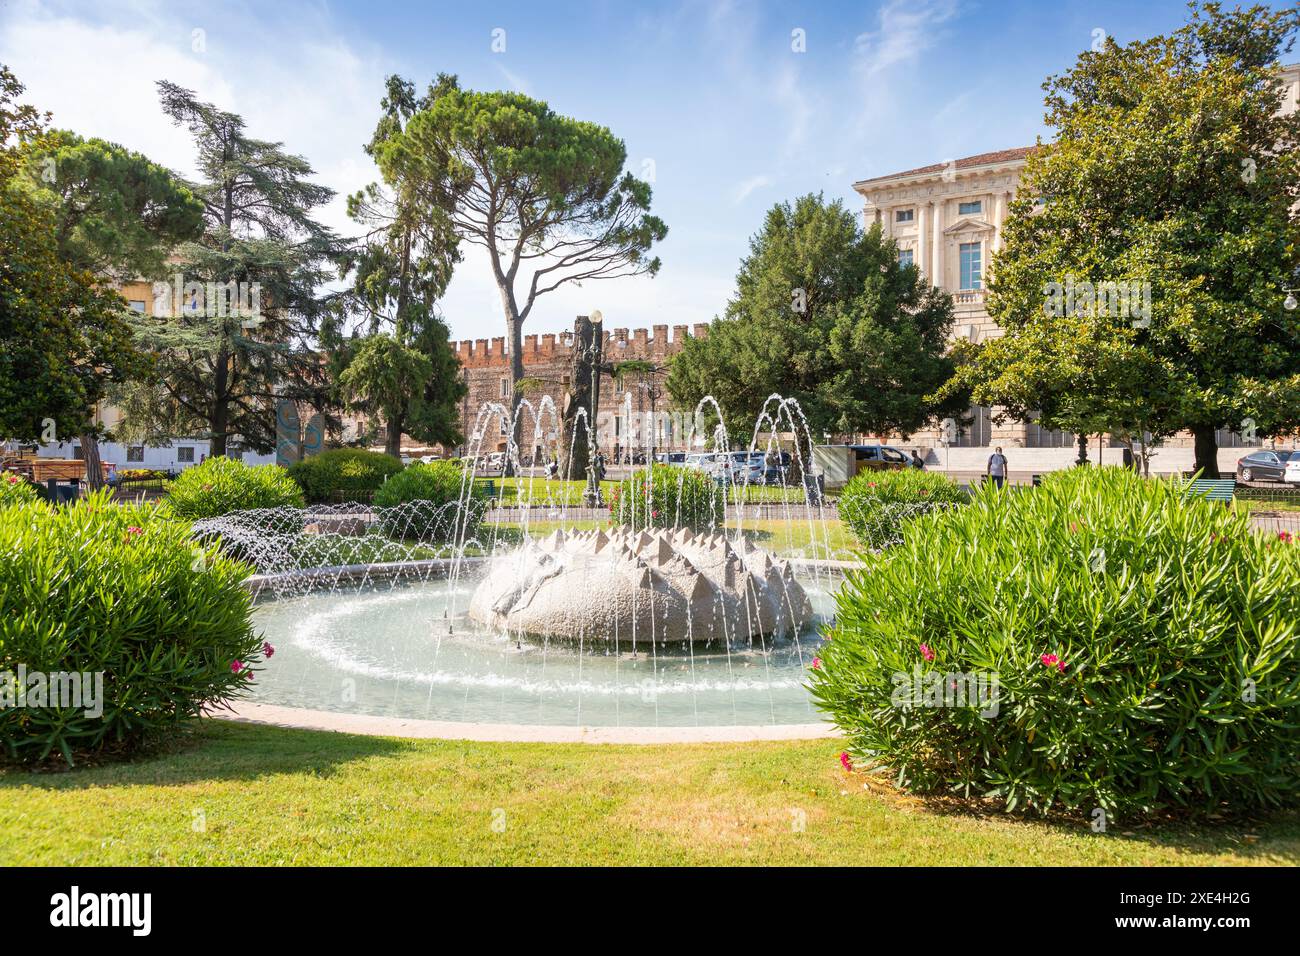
[(1262, 466)]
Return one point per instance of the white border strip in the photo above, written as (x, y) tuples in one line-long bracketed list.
[(374, 726)]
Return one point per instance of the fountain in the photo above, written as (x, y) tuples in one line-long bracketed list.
[(540, 611), (665, 586)]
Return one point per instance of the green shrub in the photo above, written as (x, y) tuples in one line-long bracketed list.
[(347, 473), (429, 502), (15, 490), (1145, 648), (222, 485), (668, 497), (876, 504), (121, 591)]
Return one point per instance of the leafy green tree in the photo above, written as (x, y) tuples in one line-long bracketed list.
[(822, 313), (402, 266), (220, 368), (1172, 167), (116, 214), (545, 195), (63, 334)]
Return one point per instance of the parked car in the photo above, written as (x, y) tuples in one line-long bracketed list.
[(880, 457), (1292, 474), (671, 458), (1263, 466)]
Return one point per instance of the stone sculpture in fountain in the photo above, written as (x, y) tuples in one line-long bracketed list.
[(642, 587)]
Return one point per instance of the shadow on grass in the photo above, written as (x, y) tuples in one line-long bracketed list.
[(211, 750), (1253, 834)]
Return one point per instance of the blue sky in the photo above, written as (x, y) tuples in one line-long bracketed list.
[(710, 98)]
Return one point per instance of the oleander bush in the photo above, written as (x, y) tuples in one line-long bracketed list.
[(15, 490), (668, 497), (1145, 645), (221, 485), (877, 504), (450, 503), (123, 592), (346, 474)]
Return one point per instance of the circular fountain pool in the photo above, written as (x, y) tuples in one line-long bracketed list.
[(409, 650)]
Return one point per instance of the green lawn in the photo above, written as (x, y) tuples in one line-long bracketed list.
[(555, 492), (240, 794)]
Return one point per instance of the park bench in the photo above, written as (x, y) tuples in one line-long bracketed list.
[(1214, 489)]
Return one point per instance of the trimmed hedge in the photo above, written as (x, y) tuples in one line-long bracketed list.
[(668, 497), (349, 473), (121, 591), (1146, 648), (877, 504), (222, 485), (429, 502)]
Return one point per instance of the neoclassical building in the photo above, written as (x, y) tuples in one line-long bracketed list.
[(947, 219)]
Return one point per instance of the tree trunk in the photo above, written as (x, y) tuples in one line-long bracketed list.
[(1206, 444), (574, 440), (1083, 450), (94, 470), (515, 327), (393, 438), (220, 407)]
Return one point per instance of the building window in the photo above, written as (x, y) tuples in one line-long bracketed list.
[(970, 208), (135, 453), (136, 305), (505, 388), (904, 257), (904, 215), (970, 266), (185, 454)]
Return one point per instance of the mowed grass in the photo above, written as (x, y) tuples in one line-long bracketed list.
[(241, 794)]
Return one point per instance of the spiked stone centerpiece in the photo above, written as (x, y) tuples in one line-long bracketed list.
[(641, 587)]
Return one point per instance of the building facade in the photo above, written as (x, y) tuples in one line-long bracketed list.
[(947, 219)]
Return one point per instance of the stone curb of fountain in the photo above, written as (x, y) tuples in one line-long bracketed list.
[(372, 725)]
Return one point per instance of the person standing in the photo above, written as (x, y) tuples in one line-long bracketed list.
[(996, 469), (916, 461)]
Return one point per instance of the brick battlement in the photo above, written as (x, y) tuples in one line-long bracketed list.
[(620, 345)]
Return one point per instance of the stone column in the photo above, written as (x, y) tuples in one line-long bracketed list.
[(999, 217), (936, 252), (923, 240)]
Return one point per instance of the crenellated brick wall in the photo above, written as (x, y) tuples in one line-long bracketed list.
[(485, 364)]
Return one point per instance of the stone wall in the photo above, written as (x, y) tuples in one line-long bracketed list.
[(485, 365)]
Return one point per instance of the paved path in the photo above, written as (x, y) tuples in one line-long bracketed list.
[(374, 726)]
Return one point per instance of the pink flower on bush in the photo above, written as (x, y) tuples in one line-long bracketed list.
[(236, 666), (871, 484), (1284, 537), (268, 651), (817, 663), (926, 652), (133, 530), (13, 479), (1051, 660), (846, 761)]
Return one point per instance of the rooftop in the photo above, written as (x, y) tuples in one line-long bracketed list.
[(968, 162)]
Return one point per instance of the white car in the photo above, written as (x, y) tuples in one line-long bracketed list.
[(1292, 474)]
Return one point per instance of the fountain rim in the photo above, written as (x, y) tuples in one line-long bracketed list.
[(412, 728)]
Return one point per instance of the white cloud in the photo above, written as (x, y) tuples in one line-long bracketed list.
[(748, 186), (907, 29)]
